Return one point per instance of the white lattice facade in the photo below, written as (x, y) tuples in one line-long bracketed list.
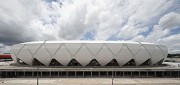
[(85, 51)]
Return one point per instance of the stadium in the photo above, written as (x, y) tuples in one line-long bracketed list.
[(88, 53), (81, 59)]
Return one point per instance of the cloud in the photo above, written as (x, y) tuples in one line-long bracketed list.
[(22, 21), (173, 43), (170, 21), (156, 34), (4, 48), (138, 38), (31, 20)]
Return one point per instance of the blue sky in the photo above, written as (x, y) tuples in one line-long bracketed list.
[(155, 21)]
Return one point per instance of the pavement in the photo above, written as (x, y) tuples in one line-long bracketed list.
[(90, 81)]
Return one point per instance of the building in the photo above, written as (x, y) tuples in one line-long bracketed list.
[(88, 53), (5, 57)]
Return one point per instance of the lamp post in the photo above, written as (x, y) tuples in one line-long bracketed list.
[(37, 76), (112, 73)]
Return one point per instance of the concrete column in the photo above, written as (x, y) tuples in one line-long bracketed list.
[(99, 74), (1, 74), (75, 73), (83, 73), (24, 73), (170, 73), (41, 73), (32, 73), (66, 73), (162, 73), (6, 73), (15, 73), (91, 73)]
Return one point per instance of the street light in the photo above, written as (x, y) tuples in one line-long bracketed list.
[(112, 72), (37, 76)]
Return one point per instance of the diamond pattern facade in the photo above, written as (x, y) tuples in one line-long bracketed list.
[(124, 56), (85, 51)]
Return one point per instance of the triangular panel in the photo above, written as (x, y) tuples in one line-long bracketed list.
[(13, 56), (130, 63), (157, 56), (73, 47), (115, 47), (94, 47), (150, 47), (74, 62), (37, 63), (160, 62), (147, 62), (25, 55), (17, 48), (43, 55), (113, 62), (83, 56), (134, 48), (21, 62), (164, 49), (63, 56), (124, 56), (104, 56), (33, 47), (52, 47), (93, 62), (54, 62), (141, 56)]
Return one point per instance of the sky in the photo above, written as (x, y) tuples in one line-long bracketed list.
[(155, 21)]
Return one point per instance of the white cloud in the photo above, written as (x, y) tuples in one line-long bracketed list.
[(144, 14), (4, 48), (22, 21), (164, 27), (173, 43), (170, 20), (138, 38), (171, 39), (156, 34), (131, 31), (29, 20), (175, 48)]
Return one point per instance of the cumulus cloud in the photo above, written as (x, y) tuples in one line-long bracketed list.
[(138, 38), (31, 20), (173, 43), (24, 21), (170, 21), (156, 34), (4, 48), (166, 24)]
